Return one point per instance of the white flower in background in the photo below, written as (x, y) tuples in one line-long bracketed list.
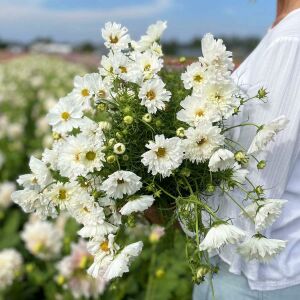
[(148, 64), (79, 155), (221, 160), (220, 235), (73, 269), (214, 53), (42, 239), (115, 36), (156, 30), (11, 263), (195, 109), (195, 76), (267, 134), (137, 205), (156, 233), (83, 90), (65, 115), (164, 155), (106, 66), (119, 148), (261, 248), (101, 88), (120, 183), (265, 212), (153, 34), (121, 262), (154, 95), (201, 141), (6, 189), (221, 96), (50, 156)]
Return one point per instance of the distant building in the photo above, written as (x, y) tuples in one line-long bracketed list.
[(51, 48)]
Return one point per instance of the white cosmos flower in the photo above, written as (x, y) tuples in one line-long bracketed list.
[(137, 205), (11, 263), (106, 66), (154, 95), (267, 133), (148, 64), (120, 183), (65, 115), (101, 87), (220, 235), (195, 76), (221, 96), (125, 68), (164, 155), (79, 155), (121, 262), (6, 189), (265, 212), (195, 109), (201, 141), (83, 89), (260, 248), (42, 239), (214, 53), (221, 160), (115, 36)]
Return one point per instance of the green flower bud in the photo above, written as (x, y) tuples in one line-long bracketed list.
[(102, 107), (158, 123), (259, 190), (185, 172), (241, 157), (111, 159), (262, 93), (180, 132), (159, 273), (111, 142), (125, 157), (127, 110), (147, 118), (261, 164), (119, 135), (128, 120), (131, 222), (210, 188)]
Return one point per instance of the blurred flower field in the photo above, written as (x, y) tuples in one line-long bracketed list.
[(46, 260)]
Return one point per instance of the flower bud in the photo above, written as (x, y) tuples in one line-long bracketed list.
[(180, 132), (125, 157), (102, 107), (210, 188), (147, 118), (119, 148), (259, 190), (182, 59), (159, 273), (111, 142), (262, 93), (261, 164), (241, 157), (111, 159), (128, 120)]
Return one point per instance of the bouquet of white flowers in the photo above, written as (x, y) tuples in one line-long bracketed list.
[(126, 140)]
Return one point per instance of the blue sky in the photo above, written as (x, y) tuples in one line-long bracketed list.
[(81, 20)]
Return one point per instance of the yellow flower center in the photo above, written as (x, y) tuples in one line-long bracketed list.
[(65, 116), (101, 94), (123, 69), (160, 152), (113, 39), (85, 92), (199, 112), (218, 97), (201, 141), (90, 155), (147, 68), (104, 246), (150, 95), (62, 194), (198, 78)]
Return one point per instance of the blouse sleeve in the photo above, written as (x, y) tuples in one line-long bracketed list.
[(278, 70)]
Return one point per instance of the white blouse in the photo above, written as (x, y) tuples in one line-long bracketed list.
[(275, 65)]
